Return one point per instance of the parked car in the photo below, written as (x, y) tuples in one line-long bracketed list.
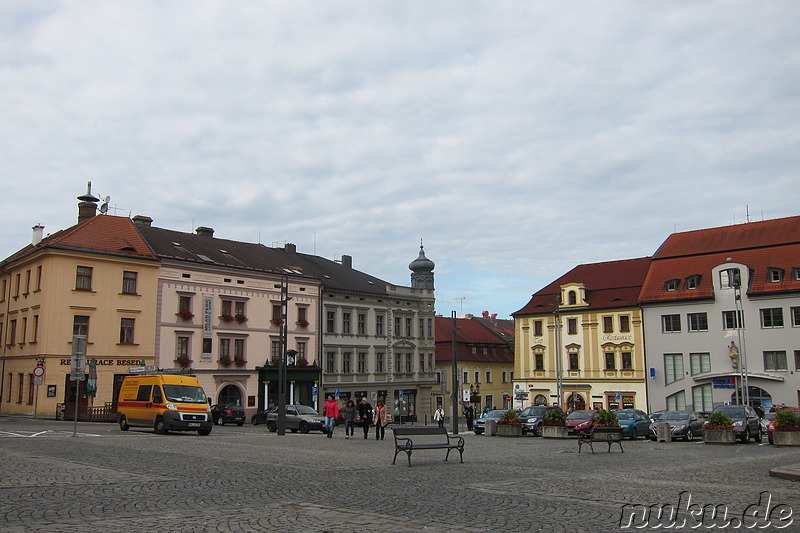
[(634, 422), (300, 418), (531, 419), (479, 424), (227, 413), (746, 423), (683, 424), (580, 422), (770, 417)]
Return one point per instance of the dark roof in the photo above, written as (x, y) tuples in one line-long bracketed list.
[(475, 332), (608, 285), (104, 234), (758, 245)]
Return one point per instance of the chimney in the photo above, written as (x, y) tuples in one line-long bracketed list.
[(143, 220), (347, 261), (38, 231), (87, 208), (290, 248), (204, 231)]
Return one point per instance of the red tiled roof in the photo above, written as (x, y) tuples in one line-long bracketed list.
[(759, 245), (608, 285), (474, 332)]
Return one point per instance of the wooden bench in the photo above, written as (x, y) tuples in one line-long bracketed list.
[(609, 437), (429, 438)]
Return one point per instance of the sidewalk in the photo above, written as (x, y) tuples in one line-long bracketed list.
[(791, 472)]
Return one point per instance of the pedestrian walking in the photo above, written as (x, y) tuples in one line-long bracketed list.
[(439, 416), (469, 414), (330, 410), (379, 417), (365, 412), (349, 418)]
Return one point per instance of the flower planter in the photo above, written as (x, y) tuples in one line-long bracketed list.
[(600, 433), (719, 436), (508, 430), (555, 432), (786, 438)]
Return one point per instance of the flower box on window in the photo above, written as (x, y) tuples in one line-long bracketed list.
[(225, 361), (239, 361), (185, 314), (302, 323), (240, 318), (276, 321), (226, 317), (183, 361)]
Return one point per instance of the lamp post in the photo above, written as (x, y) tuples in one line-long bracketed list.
[(744, 392), (454, 361), (283, 358), (559, 370)]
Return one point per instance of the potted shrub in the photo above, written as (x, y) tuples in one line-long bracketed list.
[(718, 429), (787, 428), (185, 314), (225, 361), (554, 424), (240, 318), (606, 422), (302, 323), (509, 425)]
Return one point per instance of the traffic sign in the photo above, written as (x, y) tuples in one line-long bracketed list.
[(38, 371)]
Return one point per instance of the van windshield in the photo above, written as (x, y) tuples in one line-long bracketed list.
[(185, 393)]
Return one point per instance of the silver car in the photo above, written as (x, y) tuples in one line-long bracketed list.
[(300, 418)]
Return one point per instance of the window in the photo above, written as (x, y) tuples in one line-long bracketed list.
[(129, 282), (275, 351), (671, 285), (488, 376), (182, 348), (572, 298), (330, 322), (702, 397), (3, 294), (421, 328), (730, 278), (797, 359), (627, 361), (38, 278), (225, 349), (346, 322), (379, 358), (302, 316), (692, 282), (409, 363), (330, 362), (30, 389), (35, 328), (670, 323), (774, 275), (27, 282), (677, 401), (379, 325), (362, 362), (238, 350), (346, 356), (83, 279), (80, 325), (729, 320), (21, 386), (397, 362), (465, 377), (673, 367), (537, 328), (610, 361), (239, 310), (16, 286), (538, 361), (184, 305), (795, 316), (408, 327), (701, 363), (624, 323), (24, 330), (698, 321), (775, 360), (12, 331), (362, 324), (504, 376), (276, 312), (422, 362), (573, 361), (397, 326), (430, 328), (301, 351), (796, 274), (572, 326), (608, 324), (772, 317), (126, 331)]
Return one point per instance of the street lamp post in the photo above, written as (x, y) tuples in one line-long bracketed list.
[(283, 358), (559, 370), (454, 361), (744, 392)]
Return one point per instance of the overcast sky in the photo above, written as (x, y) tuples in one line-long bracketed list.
[(516, 139)]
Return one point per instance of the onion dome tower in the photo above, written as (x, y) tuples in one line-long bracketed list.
[(422, 271)]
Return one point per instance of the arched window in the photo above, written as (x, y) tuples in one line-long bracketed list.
[(572, 298)]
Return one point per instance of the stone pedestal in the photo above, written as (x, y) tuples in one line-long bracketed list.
[(719, 436), (555, 432)]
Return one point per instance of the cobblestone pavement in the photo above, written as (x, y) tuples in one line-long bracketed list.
[(246, 479)]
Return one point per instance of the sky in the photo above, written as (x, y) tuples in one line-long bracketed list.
[(515, 140)]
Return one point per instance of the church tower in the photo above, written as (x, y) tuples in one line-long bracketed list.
[(422, 271)]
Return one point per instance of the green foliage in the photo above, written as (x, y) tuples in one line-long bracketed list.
[(510, 418), (787, 419), (554, 416), (718, 421), (606, 418)]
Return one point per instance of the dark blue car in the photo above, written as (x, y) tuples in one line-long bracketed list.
[(635, 423)]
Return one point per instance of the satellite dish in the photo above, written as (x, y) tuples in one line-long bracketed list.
[(104, 206)]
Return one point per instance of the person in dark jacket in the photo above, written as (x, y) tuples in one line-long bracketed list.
[(365, 412), (349, 418)]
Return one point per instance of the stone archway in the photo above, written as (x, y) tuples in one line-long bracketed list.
[(576, 402), (230, 394)]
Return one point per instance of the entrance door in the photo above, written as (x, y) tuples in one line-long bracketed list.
[(230, 394), (71, 388), (575, 402)]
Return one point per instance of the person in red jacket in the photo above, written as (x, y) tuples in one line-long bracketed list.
[(330, 410)]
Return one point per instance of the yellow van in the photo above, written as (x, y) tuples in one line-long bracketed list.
[(163, 402)]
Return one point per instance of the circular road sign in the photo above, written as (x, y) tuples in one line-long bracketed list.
[(38, 371)]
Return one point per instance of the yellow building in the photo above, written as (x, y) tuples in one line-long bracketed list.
[(97, 278), (579, 340)]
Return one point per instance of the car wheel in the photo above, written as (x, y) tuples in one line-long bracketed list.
[(294, 430), (204, 432), (160, 427), (254, 420), (759, 436), (634, 434), (746, 436), (272, 426), (123, 423), (689, 435), (478, 432), (221, 421), (303, 427)]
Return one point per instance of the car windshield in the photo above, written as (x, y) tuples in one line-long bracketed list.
[(675, 416), (305, 410), (185, 393), (624, 415), (534, 410), (580, 415), (731, 412), (494, 414)]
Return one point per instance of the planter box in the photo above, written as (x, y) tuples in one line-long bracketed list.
[(555, 432), (602, 433), (505, 430), (719, 436), (786, 438)]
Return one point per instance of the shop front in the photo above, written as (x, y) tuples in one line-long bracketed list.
[(302, 383)]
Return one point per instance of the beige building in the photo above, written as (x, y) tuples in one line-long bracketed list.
[(579, 340)]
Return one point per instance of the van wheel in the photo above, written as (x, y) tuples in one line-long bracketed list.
[(204, 432), (123, 423), (160, 427), (303, 427), (272, 426)]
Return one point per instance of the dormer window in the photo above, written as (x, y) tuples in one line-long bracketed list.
[(774, 275), (671, 285), (692, 282), (572, 298), (796, 274)]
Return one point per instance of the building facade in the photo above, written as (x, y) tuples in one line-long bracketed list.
[(579, 341), (722, 306)]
